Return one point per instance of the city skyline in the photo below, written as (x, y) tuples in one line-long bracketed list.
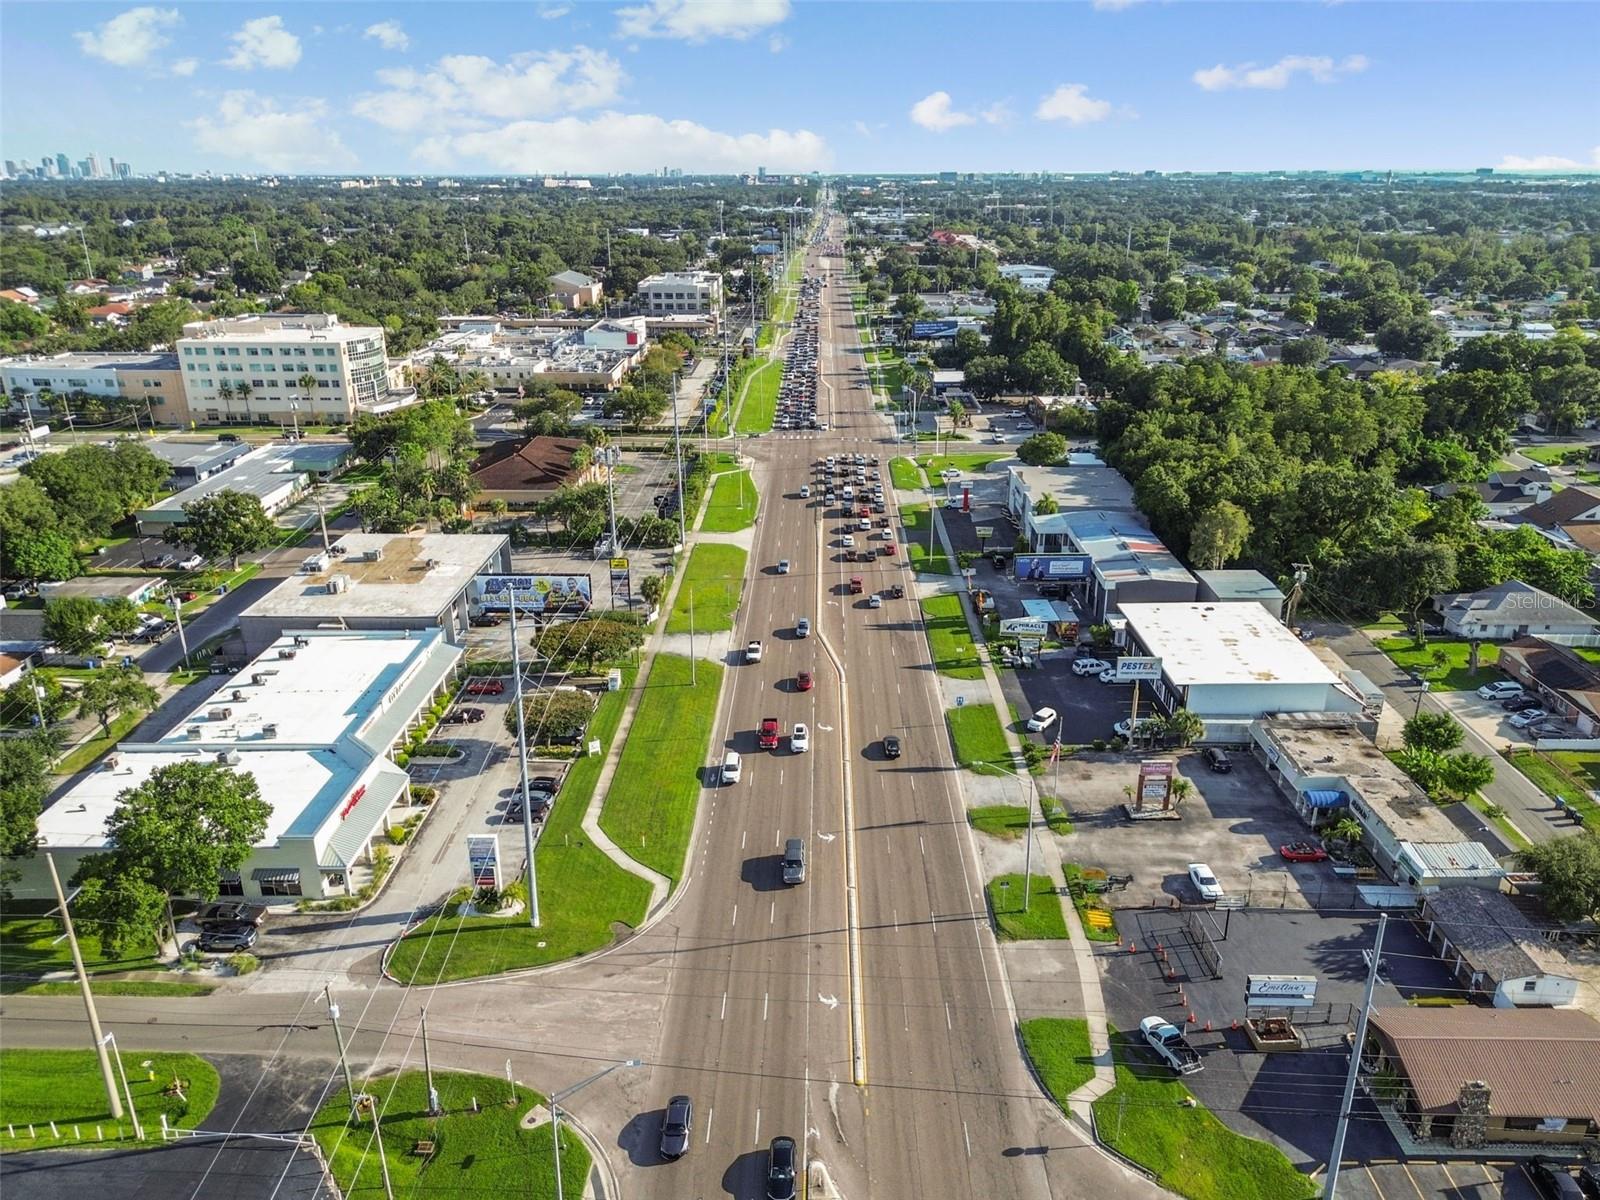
[(592, 89)]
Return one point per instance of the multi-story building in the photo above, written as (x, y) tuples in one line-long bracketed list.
[(150, 383), (681, 292), (283, 367), (596, 358), (574, 290)]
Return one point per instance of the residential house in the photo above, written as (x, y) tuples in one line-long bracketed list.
[(1510, 610), (1563, 507), (1504, 492), (110, 314), (523, 474), (1494, 951), (20, 295), (1566, 685)]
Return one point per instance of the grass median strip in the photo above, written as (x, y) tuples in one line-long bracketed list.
[(1010, 821), (914, 520), (1040, 920), (732, 506), (1059, 1049), (714, 581), (977, 739), (1190, 1151), (758, 400), (475, 1148), (584, 896), (905, 475), (650, 808), (954, 652), (64, 1086)]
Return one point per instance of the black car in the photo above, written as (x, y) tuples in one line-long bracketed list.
[(487, 620), (1518, 703), (781, 1169), (473, 715), (229, 912), (1589, 1180), (891, 746), (1217, 760), (227, 939), (1551, 1181), (676, 1127)]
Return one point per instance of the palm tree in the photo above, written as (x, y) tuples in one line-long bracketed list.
[(242, 389), (225, 394)]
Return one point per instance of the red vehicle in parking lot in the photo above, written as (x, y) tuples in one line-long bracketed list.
[(1302, 852), (485, 687)]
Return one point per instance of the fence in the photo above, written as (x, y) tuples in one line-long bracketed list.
[(1194, 923)]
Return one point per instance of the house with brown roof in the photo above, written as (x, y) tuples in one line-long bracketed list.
[(1561, 508), (1475, 1076), (1565, 684), (1494, 951), (524, 473)]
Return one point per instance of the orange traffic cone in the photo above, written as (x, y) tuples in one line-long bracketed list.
[(1189, 1020), (1208, 1026)]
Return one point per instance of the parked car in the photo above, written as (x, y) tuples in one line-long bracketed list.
[(676, 1126), (1041, 720), (1089, 666), (1109, 675), (1519, 703), (1500, 689), (485, 687), (227, 939), (1551, 1180), (1216, 759), (193, 563), (487, 620), (1127, 727), (1527, 717), (473, 715), (1302, 852), (230, 912), (1205, 881), (1589, 1180)]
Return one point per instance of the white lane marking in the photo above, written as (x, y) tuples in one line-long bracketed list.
[(710, 1115), (777, 837), (922, 846), (947, 1023), (772, 916), (742, 837), (724, 1016), (735, 920), (758, 1127), (895, 917), (968, 1138), (765, 997)]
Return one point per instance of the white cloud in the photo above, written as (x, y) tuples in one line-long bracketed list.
[(697, 20), (862, 128), (777, 43), (614, 141), (933, 112), (1549, 162), (256, 130), (184, 67), (130, 39), (554, 12), (1071, 102), (998, 113), (389, 35), (467, 90), (1115, 5), (1320, 67), (263, 42)]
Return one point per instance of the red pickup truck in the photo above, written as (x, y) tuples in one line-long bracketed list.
[(856, 586), (767, 738)]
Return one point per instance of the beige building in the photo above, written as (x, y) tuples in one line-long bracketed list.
[(150, 382), (680, 292), (574, 290)]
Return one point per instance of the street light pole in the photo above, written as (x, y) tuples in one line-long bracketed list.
[(88, 995), (522, 764), (1421, 692), (1336, 1152), (344, 1061), (555, 1112)]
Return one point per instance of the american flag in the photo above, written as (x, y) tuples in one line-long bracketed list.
[(1055, 749)]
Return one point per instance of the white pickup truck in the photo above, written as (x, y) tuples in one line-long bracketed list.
[(752, 651), (1167, 1041)]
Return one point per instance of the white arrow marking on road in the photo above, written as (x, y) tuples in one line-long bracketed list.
[(830, 1001), (825, 728), (827, 837)]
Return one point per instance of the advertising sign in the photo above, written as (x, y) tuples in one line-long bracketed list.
[(934, 329), (483, 860), (1142, 669), (984, 532), (1155, 786), (1052, 566), (621, 585), (1024, 625), (1281, 991), (534, 593)]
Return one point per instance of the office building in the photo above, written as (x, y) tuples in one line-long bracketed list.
[(680, 292), (150, 383)]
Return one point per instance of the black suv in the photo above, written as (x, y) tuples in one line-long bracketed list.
[(1217, 760), (781, 1169), (1551, 1181), (676, 1127), (891, 746)]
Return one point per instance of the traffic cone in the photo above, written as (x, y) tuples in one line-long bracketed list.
[(1132, 947), (1189, 1020), (1208, 1026), (1172, 975), (1235, 1026)]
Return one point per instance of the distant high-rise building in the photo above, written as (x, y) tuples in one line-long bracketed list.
[(11, 167), (63, 165), (761, 172), (124, 170), (92, 166), (84, 169)]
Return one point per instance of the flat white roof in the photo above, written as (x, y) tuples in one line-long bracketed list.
[(1224, 642), (416, 575)]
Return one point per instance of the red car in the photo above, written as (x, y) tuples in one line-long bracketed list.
[(803, 681), (1303, 852), (486, 687)]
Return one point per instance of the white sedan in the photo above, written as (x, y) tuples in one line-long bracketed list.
[(1089, 666), (800, 739), (1041, 720), (949, 474), (847, 541), (1205, 881)]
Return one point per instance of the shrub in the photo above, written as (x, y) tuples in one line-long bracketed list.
[(243, 964), (398, 834)]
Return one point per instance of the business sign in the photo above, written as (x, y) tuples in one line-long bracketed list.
[(534, 593), (353, 800), (1024, 625), (1051, 566), (764, 248), (621, 585), (984, 532), (934, 329), (483, 860), (1155, 786), (1130, 670), (619, 564), (1280, 991)]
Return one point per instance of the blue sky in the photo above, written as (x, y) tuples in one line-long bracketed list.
[(730, 85)]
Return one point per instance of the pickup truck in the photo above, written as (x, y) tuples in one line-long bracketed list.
[(752, 651), (767, 737), (856, 586), (1165, 1039)]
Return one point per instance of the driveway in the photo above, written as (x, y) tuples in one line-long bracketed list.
[(1088, 707), (219, 618)]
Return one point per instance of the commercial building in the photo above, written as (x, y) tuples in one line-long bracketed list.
[(1494, 951), (524, 473), (316, 720), (194, 462), (105, 588), (1510, 610), (380, 581), (1082, 484), (1128, 563), (1242, 585), (276, 475), (297, 367), (594, 357), (574, 289), (1028, 276), (680, 292), (1483, 1076), (150, 382), (1230, 664)]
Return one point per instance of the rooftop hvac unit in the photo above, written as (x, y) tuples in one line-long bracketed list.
[(195, 733), (228, 758), (337, 584), (302, 641), (374, 555), (259, 679), (111, 762), (238, 695), (269, 731), (287, 653), (219, 714)]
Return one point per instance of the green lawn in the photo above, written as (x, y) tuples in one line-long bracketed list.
[(107, 987), (482, 1153), (1041, 920), (732, 505), (583, 894), (82, 756), (1189, 1150), (1587, 653), (1058, 1048), (64, 1086), (1550, 456), (714, 580), (1455, 676), (967, 464), (977, 737), (1569, 775), (914, 521), (650, 808), (758, 401), (1010, 821), (906, 475), (954, 652), (1084, 901)]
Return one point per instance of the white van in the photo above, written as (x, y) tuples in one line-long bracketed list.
[(732, 767), (1501, 689)]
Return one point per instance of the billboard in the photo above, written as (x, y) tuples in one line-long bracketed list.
[(1021, 625), (934, 329), (1281, 991), (535, 593), (483, 860), (1131, 670), (1051, 566), (1155, 786), (621, 585)]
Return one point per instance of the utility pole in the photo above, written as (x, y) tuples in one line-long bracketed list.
[(1331, 1185), (522, 763), (383, 1161), (1302, 572), (177, 615), (106, 1076), (427, 1068), (88, 266), (677, 445), (344, 1061)]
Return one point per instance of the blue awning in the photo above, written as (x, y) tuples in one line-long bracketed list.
[(1324, 798)]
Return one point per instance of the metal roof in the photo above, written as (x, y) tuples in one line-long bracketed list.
[(361, 823), (1451, 860), (1491, 934)]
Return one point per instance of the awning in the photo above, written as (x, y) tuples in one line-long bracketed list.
[(276, 875), (1324, 798)]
